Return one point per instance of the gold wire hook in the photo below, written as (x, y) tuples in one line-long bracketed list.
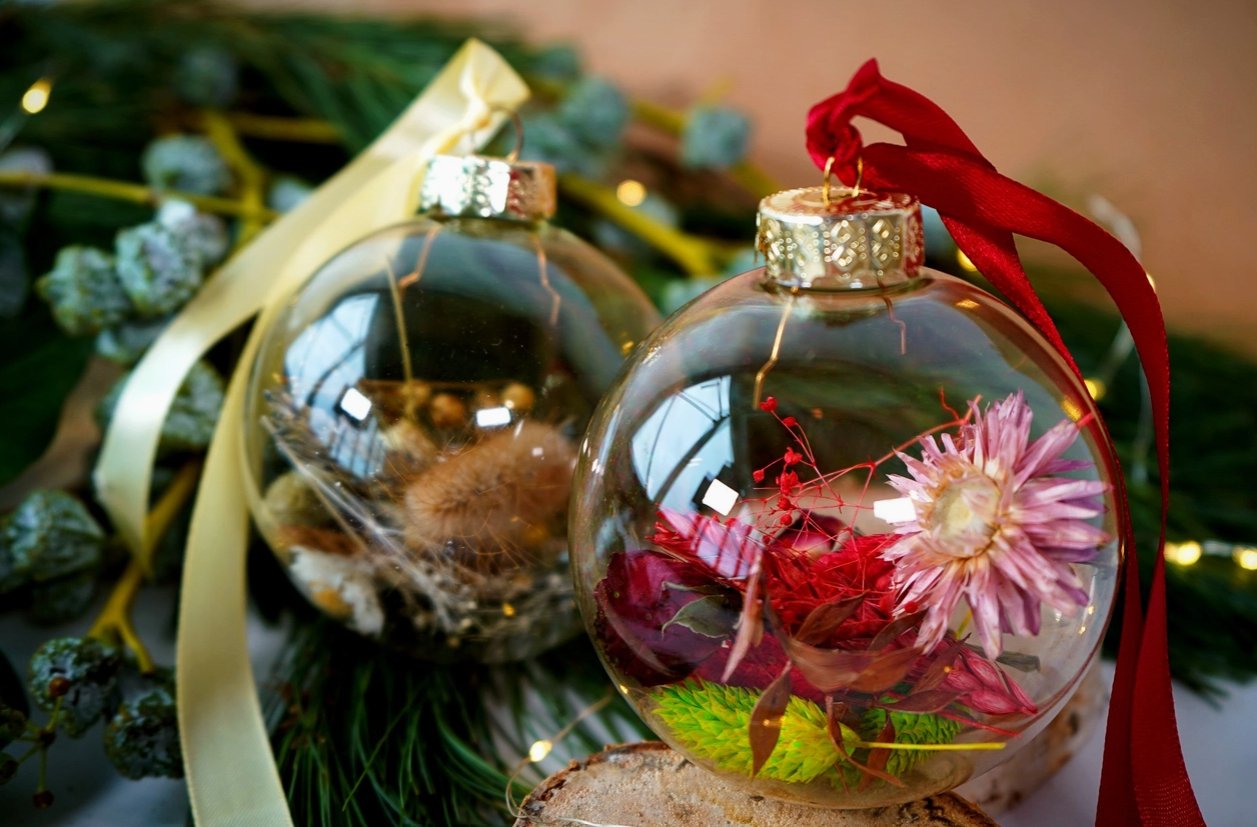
[(517, 124), (847, 192)]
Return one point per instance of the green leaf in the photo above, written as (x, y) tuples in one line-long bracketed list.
[(39, 367), (708, 616)]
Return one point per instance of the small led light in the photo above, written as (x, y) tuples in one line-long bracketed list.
[(36, 97), (1096, 388), (539, 750), (1071, 408), (355, 404), (1185, 554), (508, 610), (965, 262), (898, 510), (493, 417), (630, 193), (720, 497), (1245, 557)]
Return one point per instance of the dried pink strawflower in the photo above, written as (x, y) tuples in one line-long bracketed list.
[(995, 525)]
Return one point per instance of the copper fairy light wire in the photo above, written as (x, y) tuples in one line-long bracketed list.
[(541, 749), (775, 353)]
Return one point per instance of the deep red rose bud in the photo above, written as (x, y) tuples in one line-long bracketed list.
[(769, 404), (758, 475), (792, 456), (789, 421)]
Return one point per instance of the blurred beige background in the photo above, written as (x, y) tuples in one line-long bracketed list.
[(1152, 104)]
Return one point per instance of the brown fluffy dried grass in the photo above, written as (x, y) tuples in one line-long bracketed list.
[(494, 498)]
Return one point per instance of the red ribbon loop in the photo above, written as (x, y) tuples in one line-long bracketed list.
[(1144, 782)]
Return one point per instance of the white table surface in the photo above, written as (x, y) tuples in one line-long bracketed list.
[(1220, 745)]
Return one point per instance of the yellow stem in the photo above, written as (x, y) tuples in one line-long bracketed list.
[(127, 191), (251, 176), (273, 128), (659, 116), (753, 179), (114, 621), (976, 745), (696, 256)]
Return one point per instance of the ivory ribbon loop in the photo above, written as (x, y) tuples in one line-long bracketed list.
[(231, 774)]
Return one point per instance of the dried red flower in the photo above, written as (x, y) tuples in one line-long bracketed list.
[(646, 624)]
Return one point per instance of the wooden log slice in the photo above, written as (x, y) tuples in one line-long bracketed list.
[(647, 784)]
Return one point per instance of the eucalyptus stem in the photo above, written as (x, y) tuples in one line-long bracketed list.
[(114, 621), (695, 256), (128, 191), (279, 128), (251, 176), (659, 116)]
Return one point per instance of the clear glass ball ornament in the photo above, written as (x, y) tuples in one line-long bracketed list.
[(414, 413), (844, 528)]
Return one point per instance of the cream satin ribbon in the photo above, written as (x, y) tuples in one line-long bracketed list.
[(231, 774)]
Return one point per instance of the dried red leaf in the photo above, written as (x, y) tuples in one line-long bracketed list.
[(884, 671), (838, 734), (931, 700), (829, 670), (940, 666), (824, 619), (891, 631), (879, 756), (751, 621), (765, 727)]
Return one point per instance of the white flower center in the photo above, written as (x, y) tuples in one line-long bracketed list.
[(964, 515)]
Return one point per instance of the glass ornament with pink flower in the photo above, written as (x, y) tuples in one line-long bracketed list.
[(845, 526)]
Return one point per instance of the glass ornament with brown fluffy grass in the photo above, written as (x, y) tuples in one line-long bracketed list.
[(414, 412)]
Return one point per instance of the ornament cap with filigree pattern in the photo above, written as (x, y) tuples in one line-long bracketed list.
[(812, 240), (475, 186)]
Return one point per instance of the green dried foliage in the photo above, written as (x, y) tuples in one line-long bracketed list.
[(712, 721), (715, 137), (50, 535), (142, 738), (190, 423), (84, 291), (75, 678), (909, 729)]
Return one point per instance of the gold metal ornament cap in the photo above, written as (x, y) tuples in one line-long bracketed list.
[(475, 186), (841, 242)]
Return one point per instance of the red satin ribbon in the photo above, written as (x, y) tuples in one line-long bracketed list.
[(1144, 781)]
